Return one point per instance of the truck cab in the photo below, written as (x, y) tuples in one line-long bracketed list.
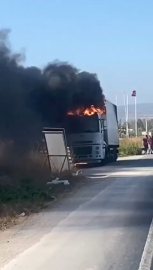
[(85, 137), (93, 137)]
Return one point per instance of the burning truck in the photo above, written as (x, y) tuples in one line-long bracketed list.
[(74, 100), (92, 134)]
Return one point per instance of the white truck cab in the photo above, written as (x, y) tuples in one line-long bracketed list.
[(93, 138)]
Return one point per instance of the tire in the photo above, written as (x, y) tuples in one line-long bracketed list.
[(115, 154), (108, 157), (104, 161)]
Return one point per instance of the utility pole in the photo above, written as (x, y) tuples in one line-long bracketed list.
[(126, 106), (146, 126), (116, 100), (136, 128), (127, 116), (134, 94)]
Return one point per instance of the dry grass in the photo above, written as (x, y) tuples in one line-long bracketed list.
[(130, 146), (134, 140), (15, 212), (23, 188)]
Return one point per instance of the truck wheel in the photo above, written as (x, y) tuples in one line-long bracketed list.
[(115, 154), (105, 160), (102, 162), (107, 157)]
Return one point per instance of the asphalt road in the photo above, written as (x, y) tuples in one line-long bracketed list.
[(106, 225)]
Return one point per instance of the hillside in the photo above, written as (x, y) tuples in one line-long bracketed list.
[(144, 110)]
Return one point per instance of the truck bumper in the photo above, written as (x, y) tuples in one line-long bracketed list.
[(86, 160)]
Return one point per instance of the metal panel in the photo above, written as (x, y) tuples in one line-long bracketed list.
[(112, 124), (58, 156)]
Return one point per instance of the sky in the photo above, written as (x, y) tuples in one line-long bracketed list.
[(111, 38)]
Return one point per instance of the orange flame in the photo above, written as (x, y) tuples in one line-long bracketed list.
[(88, 111)]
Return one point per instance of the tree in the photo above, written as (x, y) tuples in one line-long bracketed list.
[(140, 125)]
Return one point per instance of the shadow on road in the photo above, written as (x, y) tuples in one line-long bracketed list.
[(146, 161), (124, 203)]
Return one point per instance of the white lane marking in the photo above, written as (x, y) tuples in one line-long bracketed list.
[(98, 176), (147, 254), (128, 173), (118, 174)]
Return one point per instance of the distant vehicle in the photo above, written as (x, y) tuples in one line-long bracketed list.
[(94, 138)]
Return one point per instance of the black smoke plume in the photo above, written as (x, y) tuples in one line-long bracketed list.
[(64, 88), (18, 122), (31, 98)]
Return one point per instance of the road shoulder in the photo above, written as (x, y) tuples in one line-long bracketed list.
[(20, 237)]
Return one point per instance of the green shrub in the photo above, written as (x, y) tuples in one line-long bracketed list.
[(130, 146), (25, 190), (23, 178)]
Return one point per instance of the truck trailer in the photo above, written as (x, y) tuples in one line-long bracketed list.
[(93, 138)]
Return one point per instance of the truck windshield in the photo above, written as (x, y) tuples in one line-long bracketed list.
[(83, 124)]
